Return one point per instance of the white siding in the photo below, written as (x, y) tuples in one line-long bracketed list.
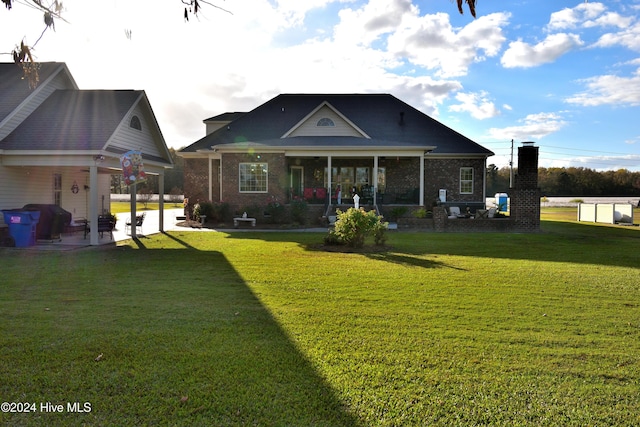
[(23, 185), (341, 128), (60, 81), (128, 138)]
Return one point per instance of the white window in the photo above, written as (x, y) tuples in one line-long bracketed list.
[(466, 180), (325, 121), (254, 177), (135, 123)]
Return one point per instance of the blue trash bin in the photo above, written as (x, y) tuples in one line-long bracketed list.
[(502, 201), (22, 226)]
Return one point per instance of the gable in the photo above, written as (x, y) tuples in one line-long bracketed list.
[(139, 130), (18, 100), (325, 121)]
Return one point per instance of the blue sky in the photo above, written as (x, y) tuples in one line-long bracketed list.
[(565, 74)]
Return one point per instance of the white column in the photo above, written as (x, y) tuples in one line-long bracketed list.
[(210, 191), (375, 179), (329, 177), (93, 205), (133, 190), (161, 200), (421, 179), (220, 176)]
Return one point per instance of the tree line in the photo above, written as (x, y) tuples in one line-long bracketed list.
[(572, 181)]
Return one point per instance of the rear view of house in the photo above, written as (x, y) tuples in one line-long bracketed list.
[(326, 148)]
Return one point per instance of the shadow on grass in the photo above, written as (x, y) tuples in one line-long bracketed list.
[(557, 242), (182, 340)]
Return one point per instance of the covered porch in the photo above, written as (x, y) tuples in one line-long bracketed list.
[(378, 178)]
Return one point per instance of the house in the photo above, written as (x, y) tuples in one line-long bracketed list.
[(60, 145), (326, 148)]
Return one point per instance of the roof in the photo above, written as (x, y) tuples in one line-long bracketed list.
[(73, 120), (385, 119), (14, 88), (225, 117)]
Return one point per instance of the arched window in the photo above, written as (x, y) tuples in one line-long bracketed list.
[(325, 121), (135, 123)]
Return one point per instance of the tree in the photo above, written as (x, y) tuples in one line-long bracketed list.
[(472, 6), (52, 11)]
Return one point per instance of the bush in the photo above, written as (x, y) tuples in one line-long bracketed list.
[(220, 211), (299, 210), (354, 225), (422, 213), (275, 210)]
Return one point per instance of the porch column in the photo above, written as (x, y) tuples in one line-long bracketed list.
[(93, 205), (375, 179), (220, 176), (329, 177), (421, 199), (161, 200), (210, 191), (133, 199)]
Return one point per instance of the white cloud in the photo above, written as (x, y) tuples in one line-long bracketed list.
[(520, 54), (535, 126), (629, 38), (609, 89), (572, 18), (431, 42), (475, 104)]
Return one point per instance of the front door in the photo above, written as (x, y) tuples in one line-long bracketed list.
[(297, 181)]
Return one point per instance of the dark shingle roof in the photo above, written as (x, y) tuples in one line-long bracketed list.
[(14, 88), (378, 115), (225, 117), (73, 120)]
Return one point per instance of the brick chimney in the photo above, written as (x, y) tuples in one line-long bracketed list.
[(525, 197)]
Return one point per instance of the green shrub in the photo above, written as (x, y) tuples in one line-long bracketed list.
[(332, 239), (299, 210), (397, 212), (203, 209), (354, 225), (275, 210), (220, 211), (422, 213)]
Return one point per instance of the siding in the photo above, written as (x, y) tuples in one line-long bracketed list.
[(23, 185), (341, 128), (127, 138), (60, 81)]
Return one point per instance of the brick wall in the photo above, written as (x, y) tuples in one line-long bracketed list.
[(445, 173), (196, 179), (277, 180)]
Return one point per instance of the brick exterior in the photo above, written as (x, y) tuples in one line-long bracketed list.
[(525, 197), (401, 174), (445, 173)]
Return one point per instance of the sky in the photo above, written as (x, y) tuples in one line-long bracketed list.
[(563, 74)]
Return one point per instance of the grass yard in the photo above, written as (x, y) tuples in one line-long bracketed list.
[(262, 328), (125, 207)]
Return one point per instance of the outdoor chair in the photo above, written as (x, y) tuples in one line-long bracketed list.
[(454, 212), (106, 223), (138, 224), (308, 194), (321, 194)]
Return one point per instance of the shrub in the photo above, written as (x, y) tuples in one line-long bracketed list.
[(275, 210), (354, 225), (397, 212), (299, 210), (220, 211), (422, 213), (332, 239)]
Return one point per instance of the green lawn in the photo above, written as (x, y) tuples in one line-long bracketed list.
[(260, 328), (125, 207)]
